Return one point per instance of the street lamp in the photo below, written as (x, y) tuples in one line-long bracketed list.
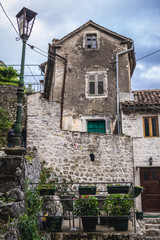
[(25, 20)]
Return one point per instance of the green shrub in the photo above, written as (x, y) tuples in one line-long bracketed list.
[(118, 204)]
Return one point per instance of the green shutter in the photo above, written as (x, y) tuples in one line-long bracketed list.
[(96, 126)]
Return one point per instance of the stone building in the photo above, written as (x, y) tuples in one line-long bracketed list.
[(87, 98), (81, 76), (141, 121)]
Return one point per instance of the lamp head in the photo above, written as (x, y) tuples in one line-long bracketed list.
[(25, 20)]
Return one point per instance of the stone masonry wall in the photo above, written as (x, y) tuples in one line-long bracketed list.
[(68, 153), (8, 99)]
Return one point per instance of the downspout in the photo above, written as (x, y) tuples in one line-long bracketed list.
[(63, 90), (117, 78)]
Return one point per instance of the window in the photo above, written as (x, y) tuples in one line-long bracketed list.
[(91, 41), (150, 127), (96, 126), (96, 84)]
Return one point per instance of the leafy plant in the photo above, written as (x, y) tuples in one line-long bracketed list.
[(8, 74), (86, 206), (28, 224), (118, 204)]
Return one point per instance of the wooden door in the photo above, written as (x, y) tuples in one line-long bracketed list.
[(150, 180)]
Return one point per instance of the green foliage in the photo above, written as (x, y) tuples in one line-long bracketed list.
[(5, 125), (9, 83), (118, 204), (28, 227), (8, 74), (33, 202), (28, 223), (5, 199), (86, 206)]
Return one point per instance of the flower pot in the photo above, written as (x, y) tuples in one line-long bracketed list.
[(120, 223), (103, 220), (89, 223), (117, 189), (85, 190), (136, 191), (110, 222), (139, 215), (47, 191), (52, 224)]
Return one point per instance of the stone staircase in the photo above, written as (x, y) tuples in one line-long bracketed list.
[(152, 226)]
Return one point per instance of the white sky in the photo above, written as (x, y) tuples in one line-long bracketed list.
[(138, 19)]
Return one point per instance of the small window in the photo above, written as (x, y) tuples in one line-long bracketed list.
[(91, 41), (96, 84), (150, 127)]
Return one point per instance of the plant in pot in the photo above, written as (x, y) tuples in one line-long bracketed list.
[(46, 185), (136, 191), (112, 189), (139, 214), (47, 188), (83, 190), (117, 206), (87, 207)]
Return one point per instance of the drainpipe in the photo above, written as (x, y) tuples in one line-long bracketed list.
[(117, 78)]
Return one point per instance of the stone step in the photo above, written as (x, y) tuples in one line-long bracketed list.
[(152, 221), (152, 238), (2, 237), (152, 226), (153, 232)]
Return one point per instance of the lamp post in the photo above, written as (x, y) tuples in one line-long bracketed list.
[(25, 20)]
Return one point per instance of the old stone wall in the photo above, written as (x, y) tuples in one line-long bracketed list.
[(8, 103), (8, 99), (68, 153)]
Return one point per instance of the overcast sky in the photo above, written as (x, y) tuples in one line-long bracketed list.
[(137, 19)]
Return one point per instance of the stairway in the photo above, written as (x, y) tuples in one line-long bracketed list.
[(152, 226)]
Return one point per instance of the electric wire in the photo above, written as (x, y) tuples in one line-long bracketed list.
[(9, 19), (147, 55), (32, 47), (32, 74)]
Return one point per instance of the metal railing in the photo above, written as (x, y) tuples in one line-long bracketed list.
[(65, 195)]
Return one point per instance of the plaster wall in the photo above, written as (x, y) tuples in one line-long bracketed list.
[(79, 62), (143, 148), (68, 153)]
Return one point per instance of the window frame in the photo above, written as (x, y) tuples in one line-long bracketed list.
[(87, 33), (92, 36), (96, 87), (150, 126)]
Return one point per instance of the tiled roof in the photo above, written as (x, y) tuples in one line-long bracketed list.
[(144, 98)]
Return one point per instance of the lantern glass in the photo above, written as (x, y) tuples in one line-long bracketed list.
[(25, 20)]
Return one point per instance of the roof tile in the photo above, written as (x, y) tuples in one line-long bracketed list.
[(144, 98)]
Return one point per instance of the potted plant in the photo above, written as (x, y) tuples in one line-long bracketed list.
[(47, 188), (52, 223), (117, 189), (139, 214), (118, 207), (85, 190), (136, 191), (87, 208)]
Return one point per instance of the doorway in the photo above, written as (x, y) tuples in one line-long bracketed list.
[(150, 181)]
